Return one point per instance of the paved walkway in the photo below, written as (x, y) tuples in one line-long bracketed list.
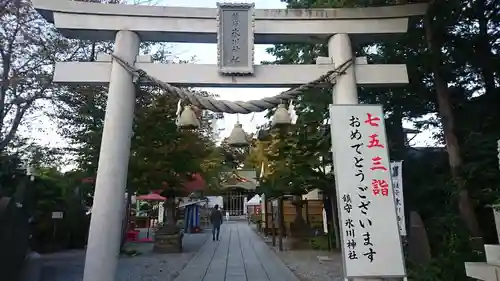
[(240, 255), (149, 266)]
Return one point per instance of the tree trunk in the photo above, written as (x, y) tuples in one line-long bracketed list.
[(299, 230), (465, 204), (398, 141), (336, 231), (170, 222), (170, 206), (168, 239), (297, 203)]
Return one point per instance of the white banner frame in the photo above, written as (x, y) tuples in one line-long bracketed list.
[(384, 231)]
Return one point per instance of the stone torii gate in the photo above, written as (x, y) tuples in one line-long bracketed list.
[(128, 25)]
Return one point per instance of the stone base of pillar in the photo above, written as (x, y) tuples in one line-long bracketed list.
[(489, 270), (32, 267), (167, 242)]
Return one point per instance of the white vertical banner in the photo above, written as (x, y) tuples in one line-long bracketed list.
[(371, 243), (161, 212), (397, 185), (325, 221)]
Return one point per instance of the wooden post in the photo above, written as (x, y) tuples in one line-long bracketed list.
[(336, 230), (328, 224), (266, 216), (273, 225), (307, 212), (329, 236), (281, 224)]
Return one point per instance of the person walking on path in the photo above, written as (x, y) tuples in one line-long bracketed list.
[(216, 220)]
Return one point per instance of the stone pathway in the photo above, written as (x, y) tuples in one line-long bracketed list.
[(240, 255), (68, 266)]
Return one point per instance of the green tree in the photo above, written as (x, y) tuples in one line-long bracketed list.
[(449, 55), (161, 153)]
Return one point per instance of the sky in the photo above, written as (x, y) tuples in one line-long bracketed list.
[(44, 130)]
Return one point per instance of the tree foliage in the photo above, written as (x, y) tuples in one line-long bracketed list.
[(26, 64), (157, 144), (293, 168), (162, 154), (453, 87)]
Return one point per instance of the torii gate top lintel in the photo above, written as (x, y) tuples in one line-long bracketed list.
[(83, 20), (66, 6), (97, 21)]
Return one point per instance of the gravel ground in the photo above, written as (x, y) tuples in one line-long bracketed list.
[(310, 265), (306, 265), (68, 266)]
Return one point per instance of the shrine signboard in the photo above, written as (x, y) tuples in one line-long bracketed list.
[(235, 38), (371, 242)]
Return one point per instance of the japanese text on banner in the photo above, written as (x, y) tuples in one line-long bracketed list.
[(365, 223), (370, 233), (397, 185)]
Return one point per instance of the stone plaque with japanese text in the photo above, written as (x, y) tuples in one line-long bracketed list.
[(235, 37), (371, 242)]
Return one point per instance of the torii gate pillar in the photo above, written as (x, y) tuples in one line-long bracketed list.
[(345, 90), (107, 211)]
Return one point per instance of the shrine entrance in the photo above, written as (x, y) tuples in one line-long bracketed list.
[(235, 201), (236, 28), (238, 187)]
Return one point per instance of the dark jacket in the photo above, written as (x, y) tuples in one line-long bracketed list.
[(216, 217)]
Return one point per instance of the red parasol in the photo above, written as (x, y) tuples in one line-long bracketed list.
[(151, 197)]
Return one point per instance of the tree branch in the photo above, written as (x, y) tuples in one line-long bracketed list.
[(15, 125)]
